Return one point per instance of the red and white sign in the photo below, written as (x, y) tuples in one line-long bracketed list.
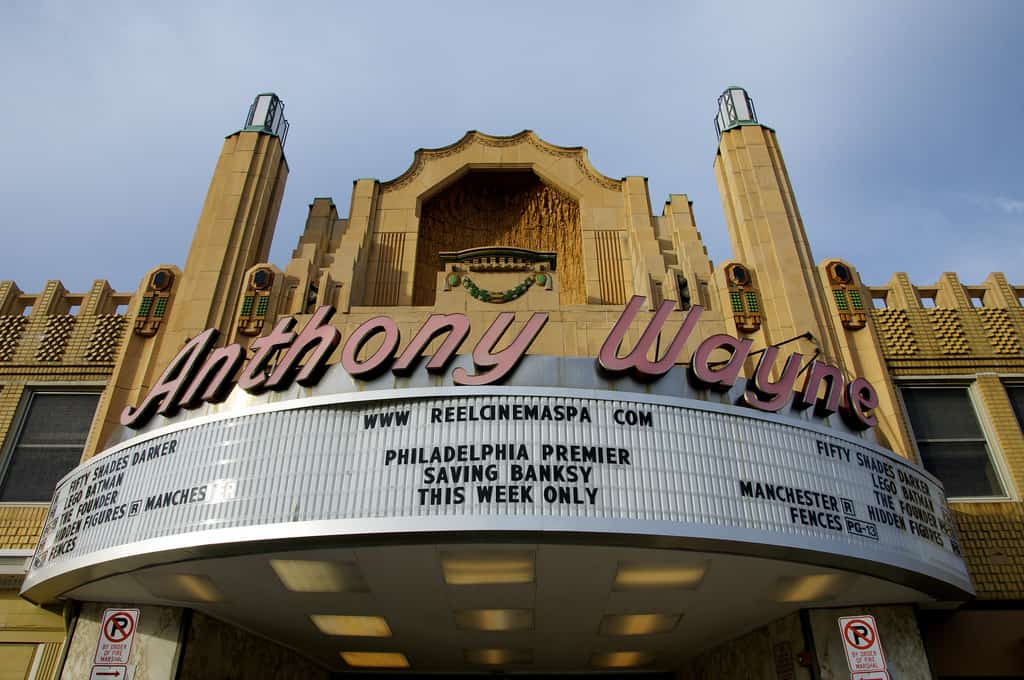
[(117, 632), (109, 673), (863, 646), (870, 675)]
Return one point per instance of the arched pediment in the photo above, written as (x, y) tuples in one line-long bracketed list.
[(565, 167)]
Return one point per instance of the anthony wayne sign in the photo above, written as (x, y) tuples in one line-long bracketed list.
[(201, 373)]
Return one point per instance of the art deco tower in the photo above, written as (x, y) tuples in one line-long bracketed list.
[(765, 227), (234, 232)]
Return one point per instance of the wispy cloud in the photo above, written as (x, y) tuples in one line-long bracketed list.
[(1007, 206)]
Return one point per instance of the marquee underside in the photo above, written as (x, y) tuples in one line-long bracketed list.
[(564, 619)]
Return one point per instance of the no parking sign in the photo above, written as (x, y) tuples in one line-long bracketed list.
[(862, 644), (117, 632)]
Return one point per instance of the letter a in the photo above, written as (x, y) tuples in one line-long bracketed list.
[(720, 377), (164, 397)]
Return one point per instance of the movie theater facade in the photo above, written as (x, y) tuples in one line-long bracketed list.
[(504, 417)]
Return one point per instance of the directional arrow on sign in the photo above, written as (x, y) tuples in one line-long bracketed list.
[(109, 673)]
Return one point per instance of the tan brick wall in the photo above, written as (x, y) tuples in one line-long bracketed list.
[(957, 340), (20, 526), (992, 536), (67, 340)]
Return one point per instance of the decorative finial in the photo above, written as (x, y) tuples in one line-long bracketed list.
[(735, 108), (267, 115)]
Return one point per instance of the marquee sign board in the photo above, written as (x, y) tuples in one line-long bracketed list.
[(535, 460)]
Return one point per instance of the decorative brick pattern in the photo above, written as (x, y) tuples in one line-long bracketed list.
[(895, 332), (55, 337), (1000, 330), (992, 535), (10, 334), (949, 331), (106, 337), (20, 526)]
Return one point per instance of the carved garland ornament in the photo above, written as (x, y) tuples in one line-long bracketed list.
[(498, 296)]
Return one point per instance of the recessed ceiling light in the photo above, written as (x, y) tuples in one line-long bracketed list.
[(360, 626), (810, 588), (181, 587), (375, 659), (620, 659), (498, 657), (654, 575), (494, 619), (314, 576), (638, 624), (480, 568)]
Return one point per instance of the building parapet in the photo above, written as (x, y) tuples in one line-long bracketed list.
[(56, 327), (949, 320)]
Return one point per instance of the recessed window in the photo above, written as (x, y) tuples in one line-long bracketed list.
[(48, 444), (951, 441), (1016, 394)]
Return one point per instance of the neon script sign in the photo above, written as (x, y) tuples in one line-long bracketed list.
[(201, 373)]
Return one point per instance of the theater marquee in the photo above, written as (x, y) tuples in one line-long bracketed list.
[(429, 462)]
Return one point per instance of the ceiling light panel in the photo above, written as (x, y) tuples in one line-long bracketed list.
[(487, 568), (498, 657), (638, 624), (357, 626), (494, 619), (659, 575), (182, 587), (315, 576), (811, 588), (375, 659), (621, 659)]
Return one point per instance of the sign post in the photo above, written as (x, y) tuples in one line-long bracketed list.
[(863, 647), (117, 632)]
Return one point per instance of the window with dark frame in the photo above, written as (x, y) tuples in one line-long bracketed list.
[(49, 443), (951, 441), (1016, 395)]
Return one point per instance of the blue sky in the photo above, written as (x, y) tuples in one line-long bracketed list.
[(900, 121)]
